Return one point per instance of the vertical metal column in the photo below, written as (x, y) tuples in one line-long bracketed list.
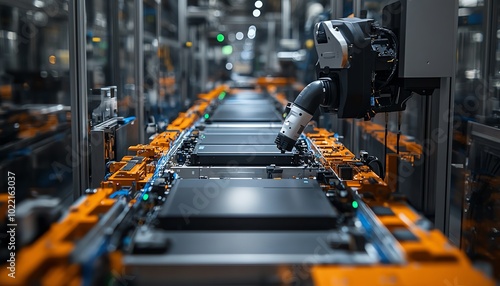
[(443, 153), (271, 37), (158, 38), (286, 12), (439, 134), (203, 57), (183, 36), (193, 75), (78, 88), (114, 47), (490, 53), (337, 7), (139, 64), (356, 8)]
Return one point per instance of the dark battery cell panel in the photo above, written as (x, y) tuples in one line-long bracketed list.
[(242, 155), (244, 204)]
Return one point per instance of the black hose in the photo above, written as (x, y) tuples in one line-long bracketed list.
[(313, 95), (380, 167), (301, 112), (394, 41)]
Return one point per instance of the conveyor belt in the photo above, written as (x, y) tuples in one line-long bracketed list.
[(237, 145), (180, 211)]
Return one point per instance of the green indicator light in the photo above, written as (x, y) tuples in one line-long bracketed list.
[(222, 95), (220, 38), (227, 50), (206, 116), (355, 204), (145, 197)]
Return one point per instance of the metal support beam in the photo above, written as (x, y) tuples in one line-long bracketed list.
[(203, 57), (78, 88), (183, 36), (286, 12), (114, 46), (442, 133), (271, 42), (139, 70), (356, 8), (158, 36), (440, 137), (193, 73), (337, 7)]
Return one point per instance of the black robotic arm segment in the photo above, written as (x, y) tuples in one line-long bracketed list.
[(358, 70), (313, 95), (301, 112)]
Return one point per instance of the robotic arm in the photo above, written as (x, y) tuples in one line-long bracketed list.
[(357, 67)]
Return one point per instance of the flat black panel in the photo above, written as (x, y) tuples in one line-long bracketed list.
[(139, 159), (241, 130), (247, 95), (402, 234), (130, 165), (245, 113), (238, 139), (241, 155), (244, 204), (382, 211), (248, 102)]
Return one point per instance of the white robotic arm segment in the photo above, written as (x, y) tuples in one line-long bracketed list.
[(332, 53)]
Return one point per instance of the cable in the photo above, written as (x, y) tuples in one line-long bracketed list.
[(380, 167), (495, 169), (394, 41), (385, 138), (122, 192), (398, 136)]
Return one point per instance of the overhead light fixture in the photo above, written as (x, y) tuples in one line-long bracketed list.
[(227, 50), (251, 34), (38, 4), (258, 4), (256, 13)]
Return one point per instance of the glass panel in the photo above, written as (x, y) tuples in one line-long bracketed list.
[(169, 19), (475, 205), (168, 104), (151, 61), (35, 137), (493, 99), (481, 211), (98, 44), (169, 60), (126, 50)]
